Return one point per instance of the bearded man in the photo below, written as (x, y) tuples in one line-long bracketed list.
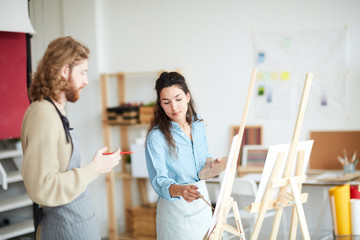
[(51, 169)]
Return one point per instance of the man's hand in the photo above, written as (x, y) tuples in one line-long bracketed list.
[(105, 163)]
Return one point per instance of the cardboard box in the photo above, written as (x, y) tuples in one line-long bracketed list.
[(144, 222), (146, 114)]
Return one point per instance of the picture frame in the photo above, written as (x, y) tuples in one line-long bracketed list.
[(254, 155), (253, 135)]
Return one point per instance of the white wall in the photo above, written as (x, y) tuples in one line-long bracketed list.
[(210, 41)]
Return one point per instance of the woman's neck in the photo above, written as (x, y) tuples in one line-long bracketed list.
[(185, 126)]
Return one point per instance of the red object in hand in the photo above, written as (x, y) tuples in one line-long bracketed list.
[(108, 153), (120, 153)]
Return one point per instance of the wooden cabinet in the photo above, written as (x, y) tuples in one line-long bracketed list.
[(15, 206), (109, 83)]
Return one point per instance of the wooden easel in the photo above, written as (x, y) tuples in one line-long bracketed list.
[(285, 198), (228, 202)]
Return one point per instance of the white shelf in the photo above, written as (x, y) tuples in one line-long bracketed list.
[(10, 177), (10, 154), (14, 176), (17, 229), (15, 202)]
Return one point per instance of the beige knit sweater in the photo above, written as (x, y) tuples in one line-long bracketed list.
[(46, 157)]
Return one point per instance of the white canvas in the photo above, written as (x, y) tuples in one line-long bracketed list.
[(227, 178), (270, 162)]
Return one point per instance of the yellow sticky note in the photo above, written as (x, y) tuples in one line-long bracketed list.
[(285, 76), (260, 76), (274, 76)]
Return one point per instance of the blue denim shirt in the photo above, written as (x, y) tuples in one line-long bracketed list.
[(165, 169)]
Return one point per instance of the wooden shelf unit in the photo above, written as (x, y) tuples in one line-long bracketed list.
[(123, 175)]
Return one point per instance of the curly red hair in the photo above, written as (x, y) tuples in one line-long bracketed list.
[(47, 80)]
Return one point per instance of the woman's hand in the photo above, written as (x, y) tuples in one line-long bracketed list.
[(212, 161), (188, 192), (105, 163), (213, 167)]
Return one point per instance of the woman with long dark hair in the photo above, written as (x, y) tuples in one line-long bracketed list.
[(176, 151)]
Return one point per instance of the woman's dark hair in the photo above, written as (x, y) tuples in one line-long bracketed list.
[(160, 119)]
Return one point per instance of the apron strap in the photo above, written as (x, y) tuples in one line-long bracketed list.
[(64, 121)]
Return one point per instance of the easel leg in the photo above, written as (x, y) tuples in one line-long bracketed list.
[(223, 226), (219, 228), (276, 223), (238, 220), (266, 197), (294, 223), (294, 216), (300, 210)]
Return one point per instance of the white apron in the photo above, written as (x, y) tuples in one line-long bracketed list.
[(180, 220)]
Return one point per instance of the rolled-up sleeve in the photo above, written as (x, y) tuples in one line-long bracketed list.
[(156, 153)]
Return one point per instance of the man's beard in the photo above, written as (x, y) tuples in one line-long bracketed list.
[(72, 94)]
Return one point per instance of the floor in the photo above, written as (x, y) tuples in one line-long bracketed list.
[(265, 236), (29, 236), (283, 232)]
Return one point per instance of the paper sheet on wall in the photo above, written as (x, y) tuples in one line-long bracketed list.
[(270, 162), (284, 57)]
